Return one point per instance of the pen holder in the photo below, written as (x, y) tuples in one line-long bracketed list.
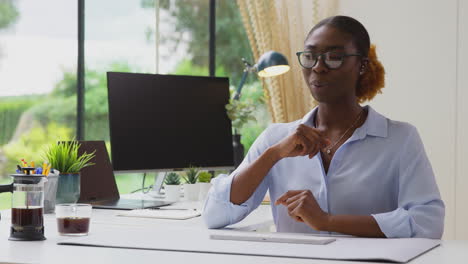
[(50, 192)]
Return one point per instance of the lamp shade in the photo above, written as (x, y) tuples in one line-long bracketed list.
[(272, 63)]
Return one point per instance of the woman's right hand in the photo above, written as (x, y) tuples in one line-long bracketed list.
[(304, 141)]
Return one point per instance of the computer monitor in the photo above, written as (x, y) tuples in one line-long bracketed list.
[(166, 122)]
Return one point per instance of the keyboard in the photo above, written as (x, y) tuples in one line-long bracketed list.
[(272, 237)]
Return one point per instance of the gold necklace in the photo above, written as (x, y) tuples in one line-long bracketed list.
[(328, 150)]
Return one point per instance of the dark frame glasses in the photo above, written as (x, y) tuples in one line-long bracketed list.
[(332, 59)]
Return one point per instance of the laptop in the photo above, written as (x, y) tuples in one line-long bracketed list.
[(98, 186)]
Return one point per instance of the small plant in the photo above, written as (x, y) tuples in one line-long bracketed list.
[(172, 178), (64, 157), (240, 113), (204, 176), (191, 175)]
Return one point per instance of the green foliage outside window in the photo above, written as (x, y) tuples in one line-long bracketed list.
[(252, 97), (192, 16), (187, 67), (60, 105), (10, 113), (8, 13), (30, 145)]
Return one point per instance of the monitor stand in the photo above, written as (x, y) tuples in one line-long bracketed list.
[(98, 186), (156, 191)]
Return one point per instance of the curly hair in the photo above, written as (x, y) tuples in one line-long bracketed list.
[(373, 79)]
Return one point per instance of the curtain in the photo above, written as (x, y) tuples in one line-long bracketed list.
[(282, 25)]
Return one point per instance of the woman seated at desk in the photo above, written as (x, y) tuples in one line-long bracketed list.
[(342, 168)]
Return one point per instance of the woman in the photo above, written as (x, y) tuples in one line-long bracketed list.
[(343, 168)]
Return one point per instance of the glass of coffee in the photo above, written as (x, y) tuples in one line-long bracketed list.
[(73, 219)]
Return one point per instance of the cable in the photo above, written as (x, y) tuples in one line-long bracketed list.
[(143, 185), (137, 190), (143, 189)]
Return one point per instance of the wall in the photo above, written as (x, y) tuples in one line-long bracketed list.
[(425, 51), (461, 179)]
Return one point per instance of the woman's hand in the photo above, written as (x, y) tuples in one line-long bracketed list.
[(304, 141), (303, 207)]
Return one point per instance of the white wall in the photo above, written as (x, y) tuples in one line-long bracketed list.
[(425, 55), (461, 177)]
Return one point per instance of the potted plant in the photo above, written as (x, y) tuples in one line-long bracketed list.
[(64, 157), (240, 112), (191, 188), (172, 187), (204, 179)]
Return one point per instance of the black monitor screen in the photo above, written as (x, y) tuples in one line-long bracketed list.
[(161, 122)]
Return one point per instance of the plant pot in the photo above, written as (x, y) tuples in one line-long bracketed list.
[(68, 189), (172, 193), (191, 191), (50, 193), (204, 189)]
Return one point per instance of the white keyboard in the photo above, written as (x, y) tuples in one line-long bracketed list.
[(272, 237)]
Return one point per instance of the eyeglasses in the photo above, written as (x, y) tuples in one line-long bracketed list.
[(332, 59)]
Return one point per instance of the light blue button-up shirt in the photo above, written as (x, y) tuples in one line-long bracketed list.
[(381, 170)]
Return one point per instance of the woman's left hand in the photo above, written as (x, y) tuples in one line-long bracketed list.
[(303, 207)]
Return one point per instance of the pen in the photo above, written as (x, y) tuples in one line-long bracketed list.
[(44, 168), (47, 170), (25, 164)]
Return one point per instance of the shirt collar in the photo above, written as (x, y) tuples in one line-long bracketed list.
[(375, 124)]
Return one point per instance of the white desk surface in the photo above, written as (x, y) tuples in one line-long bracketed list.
[(49, 252)]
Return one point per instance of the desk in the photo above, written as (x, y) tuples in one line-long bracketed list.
[(49, 252)]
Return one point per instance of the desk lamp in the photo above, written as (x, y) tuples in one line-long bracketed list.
[(270, 64)]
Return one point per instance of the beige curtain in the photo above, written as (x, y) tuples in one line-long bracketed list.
[(282, 25)]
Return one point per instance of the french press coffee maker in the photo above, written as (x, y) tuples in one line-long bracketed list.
[(27, 205)]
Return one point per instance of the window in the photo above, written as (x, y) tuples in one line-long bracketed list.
[(231, 46), (38, 66), (38, 58), (139, 36)]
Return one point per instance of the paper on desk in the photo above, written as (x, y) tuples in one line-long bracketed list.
[(177, 214), (177, 238)]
